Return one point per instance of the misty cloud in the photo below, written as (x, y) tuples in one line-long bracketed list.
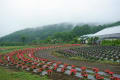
[(19, 14)]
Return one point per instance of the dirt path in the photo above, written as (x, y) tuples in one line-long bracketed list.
[(47, 54)]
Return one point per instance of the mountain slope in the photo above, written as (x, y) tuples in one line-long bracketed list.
[(39, 33)]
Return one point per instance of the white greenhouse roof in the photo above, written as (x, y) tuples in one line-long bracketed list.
[(112, 30)]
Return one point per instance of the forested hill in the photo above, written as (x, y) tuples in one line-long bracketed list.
[(64, 32), (39, 33)]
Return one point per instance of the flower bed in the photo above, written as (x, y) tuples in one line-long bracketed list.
[(25, 60), (97, 53)]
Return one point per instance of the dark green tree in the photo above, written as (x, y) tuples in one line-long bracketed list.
[(23, 38)]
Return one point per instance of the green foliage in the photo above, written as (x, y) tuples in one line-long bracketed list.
[(110, 43), (78, 58), (27, 76), (93, 40), (11, 44), (82, 30), (4, 75), (48, 40), (23, 38)]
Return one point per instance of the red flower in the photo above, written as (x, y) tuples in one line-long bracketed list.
[(49, 64), (35, 63), (73, 71), (42, 63), (83, 68), (98, 77), (1, 61), (65, 65), (33, 67), (111, 73), (95, 69), (97, 74), (116, 78), (107, 71), (30, 61), (5, 57), (40, 70), (85, 75), (53, 61), (22, 63), (49, 72), (55, 67), (63, 69), (59, 63), (73, 66)]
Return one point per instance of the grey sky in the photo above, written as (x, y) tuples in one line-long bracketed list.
[(19, 14)]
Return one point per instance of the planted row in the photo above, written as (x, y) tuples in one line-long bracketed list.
[(110, 53), (25, 60)]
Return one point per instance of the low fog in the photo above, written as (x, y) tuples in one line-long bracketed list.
[(20, 14)]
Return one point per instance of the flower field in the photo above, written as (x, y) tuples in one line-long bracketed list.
[(95, 53), (25, 59)]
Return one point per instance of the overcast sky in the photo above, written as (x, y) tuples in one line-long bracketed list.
[(19, 14)]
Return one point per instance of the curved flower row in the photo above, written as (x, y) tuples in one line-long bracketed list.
[(25, 60)]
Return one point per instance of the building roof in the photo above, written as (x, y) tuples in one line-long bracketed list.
[(106, 31)]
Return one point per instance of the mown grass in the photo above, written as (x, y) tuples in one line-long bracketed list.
[(78, 58), (57, 54)]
